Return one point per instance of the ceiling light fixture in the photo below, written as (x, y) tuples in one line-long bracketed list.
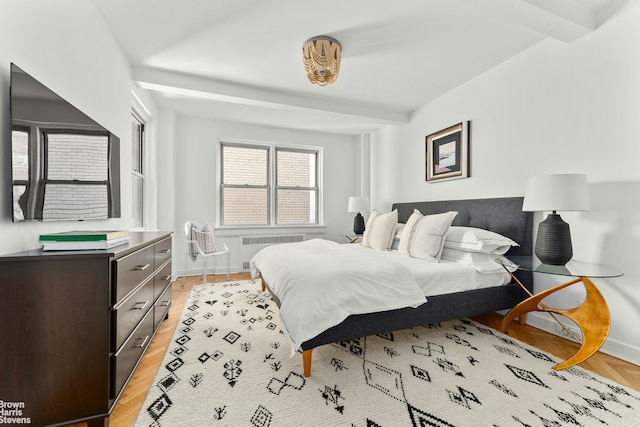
[(321, 56)]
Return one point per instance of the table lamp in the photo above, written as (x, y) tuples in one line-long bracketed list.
[(358, 204), (562, 192)]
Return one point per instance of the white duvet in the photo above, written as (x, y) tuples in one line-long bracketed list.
[(320, 283)]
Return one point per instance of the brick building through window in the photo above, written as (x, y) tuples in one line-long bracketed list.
[(268, 185)]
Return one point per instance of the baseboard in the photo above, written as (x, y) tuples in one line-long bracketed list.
[(197, 271), (612, 347)]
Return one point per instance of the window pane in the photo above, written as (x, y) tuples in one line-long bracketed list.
[(19, 204), (136, 200), (136, 144), (244, 165), (296, 207), (75, 201), (295, 169), (245, 206), (77, 157), (20, 155)]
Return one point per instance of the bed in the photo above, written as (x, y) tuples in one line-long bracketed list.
[(500, 215)]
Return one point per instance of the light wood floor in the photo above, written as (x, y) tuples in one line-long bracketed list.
[(130, 403)]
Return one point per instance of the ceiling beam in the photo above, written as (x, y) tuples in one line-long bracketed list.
[(562, 20), (198, 87)]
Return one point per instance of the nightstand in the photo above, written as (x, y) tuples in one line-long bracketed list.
[(592, 316)]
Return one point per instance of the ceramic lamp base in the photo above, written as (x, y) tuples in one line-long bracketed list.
[(553, 244), (358, 224)]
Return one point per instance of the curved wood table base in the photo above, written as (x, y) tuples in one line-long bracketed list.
[(592, 317)]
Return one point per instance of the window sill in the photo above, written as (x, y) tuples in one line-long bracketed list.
[(268, 230)]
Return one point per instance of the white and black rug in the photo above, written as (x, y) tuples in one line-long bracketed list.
[(228, 365)]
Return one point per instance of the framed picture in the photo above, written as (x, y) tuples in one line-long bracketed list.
[(447, 153)]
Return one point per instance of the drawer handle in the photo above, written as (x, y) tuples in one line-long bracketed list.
[(137, 306), (144, 341), (166, 251), (167, 277), (142, 267), (165, 303)]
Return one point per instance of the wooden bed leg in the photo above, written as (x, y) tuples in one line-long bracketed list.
[(306, 362), (522, 318), (263, 286)]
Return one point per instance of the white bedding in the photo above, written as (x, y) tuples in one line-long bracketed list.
[(444, 277), (315, 297), (360, 280)]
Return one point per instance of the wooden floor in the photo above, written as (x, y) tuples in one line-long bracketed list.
[(130, 403)]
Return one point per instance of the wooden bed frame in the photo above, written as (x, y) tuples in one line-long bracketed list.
[(501, 215)]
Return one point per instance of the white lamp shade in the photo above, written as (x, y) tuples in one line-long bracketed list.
[(358, 204), (563, 192)]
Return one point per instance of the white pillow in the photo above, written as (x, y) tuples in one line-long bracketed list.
[(484, 263), (206, 239), (423, 236), (380, 230), (403, 248), (193, 245), (396, 237), (477, 240), (367, 229)]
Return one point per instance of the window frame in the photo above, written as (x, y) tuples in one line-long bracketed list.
[(267, 186), (138, 171), (271, 186), (26, 183), (277, 187), (47, 182)]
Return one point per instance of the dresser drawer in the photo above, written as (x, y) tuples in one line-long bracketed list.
[(130, 311), (132, 270), (162, 251), (128, 355), (161, 280), (161, 308)]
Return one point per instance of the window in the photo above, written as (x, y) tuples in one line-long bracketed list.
[(268, 185), (137, 171), (76, 175), (296, 188)]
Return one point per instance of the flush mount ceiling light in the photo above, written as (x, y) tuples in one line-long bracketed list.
[(321, 56)]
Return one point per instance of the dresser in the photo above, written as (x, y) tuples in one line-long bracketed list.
[(75, 324)]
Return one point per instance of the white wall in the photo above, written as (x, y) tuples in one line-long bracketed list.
[(196, 157), (555, 108), (168, 171), (66, 45)]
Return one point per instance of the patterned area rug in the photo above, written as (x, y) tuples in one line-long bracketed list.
[(229, 365)]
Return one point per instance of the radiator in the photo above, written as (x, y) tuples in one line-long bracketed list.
[(250, 245)]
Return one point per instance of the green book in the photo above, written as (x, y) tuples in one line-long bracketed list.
[(82, 236)]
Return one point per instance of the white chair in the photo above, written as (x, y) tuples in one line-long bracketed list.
[(201, 242)]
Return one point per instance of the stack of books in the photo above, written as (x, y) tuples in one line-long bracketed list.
[(83, 240)]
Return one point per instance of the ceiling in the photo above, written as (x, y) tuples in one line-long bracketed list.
[(241, 60)]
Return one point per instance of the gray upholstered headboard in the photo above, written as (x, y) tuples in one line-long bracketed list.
[(501, 215)]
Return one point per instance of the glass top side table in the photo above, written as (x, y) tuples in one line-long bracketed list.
[(592, 316), (573, 268)]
